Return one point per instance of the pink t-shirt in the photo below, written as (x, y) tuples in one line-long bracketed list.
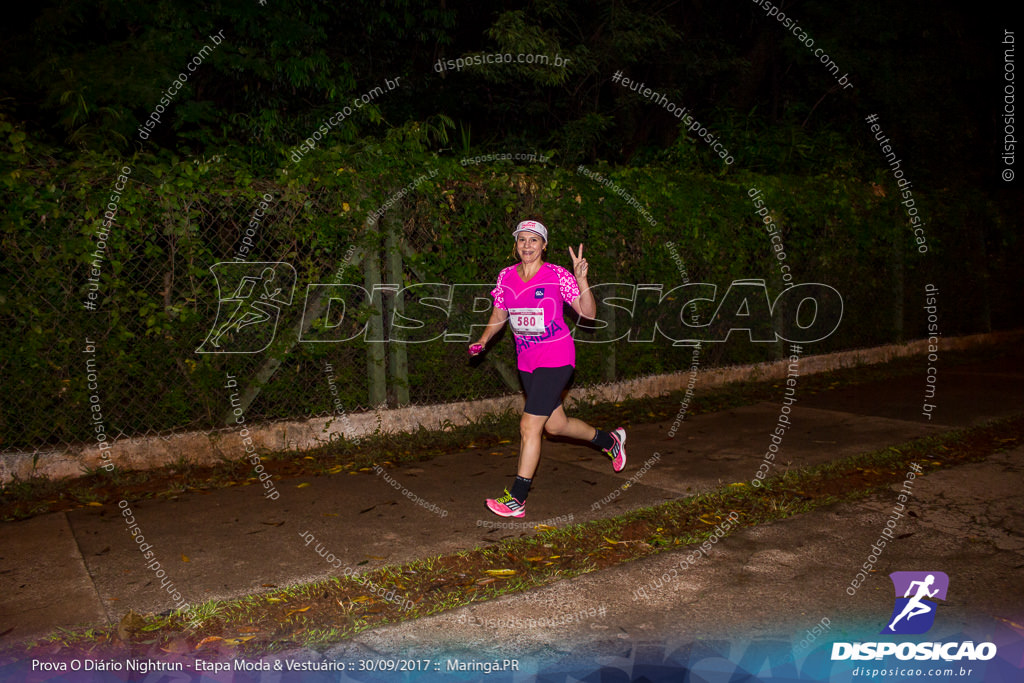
[(543, 339)]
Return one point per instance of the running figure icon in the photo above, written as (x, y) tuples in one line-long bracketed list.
[(247, 318), (915, 596), (248, 311), (915, 606)]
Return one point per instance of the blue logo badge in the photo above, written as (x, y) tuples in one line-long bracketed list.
[(913, 613), (538, 293)]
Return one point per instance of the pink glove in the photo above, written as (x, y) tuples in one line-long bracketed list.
[(476, 349)]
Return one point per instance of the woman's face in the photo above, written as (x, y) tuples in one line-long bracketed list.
[(529, 246)]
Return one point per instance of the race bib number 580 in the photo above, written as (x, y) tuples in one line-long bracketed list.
[(528, 322)]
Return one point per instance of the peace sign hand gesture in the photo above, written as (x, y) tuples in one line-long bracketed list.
[(579, 264)]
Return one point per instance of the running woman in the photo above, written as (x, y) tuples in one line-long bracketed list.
[(530, 296)]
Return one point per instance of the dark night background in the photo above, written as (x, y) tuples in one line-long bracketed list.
[(85, 74)]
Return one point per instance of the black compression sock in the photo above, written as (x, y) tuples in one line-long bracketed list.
[(521, 488), (603, 440)]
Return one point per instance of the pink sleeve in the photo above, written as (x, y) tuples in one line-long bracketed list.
[(567, 285), (499, 292)]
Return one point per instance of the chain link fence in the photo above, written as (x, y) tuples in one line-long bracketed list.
[(338, 290)]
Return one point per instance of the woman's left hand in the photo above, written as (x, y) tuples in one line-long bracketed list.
[(579, 264)]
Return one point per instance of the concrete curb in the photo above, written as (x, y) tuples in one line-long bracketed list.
[(211, 447)]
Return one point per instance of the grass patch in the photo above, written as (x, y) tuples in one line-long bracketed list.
[(318, 614)]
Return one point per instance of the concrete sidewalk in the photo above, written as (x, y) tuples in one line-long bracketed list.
[(83, 567), (769, 586)]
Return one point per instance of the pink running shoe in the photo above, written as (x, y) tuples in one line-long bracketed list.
[(506, 506), (618, 450)]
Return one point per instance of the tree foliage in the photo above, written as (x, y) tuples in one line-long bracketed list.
[(79, 78)]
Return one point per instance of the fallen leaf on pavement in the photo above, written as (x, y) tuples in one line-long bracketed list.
[(207, 640), (238, 641), (500, 572)]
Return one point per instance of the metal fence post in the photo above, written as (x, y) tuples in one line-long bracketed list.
[(398, 352), (376, 376)]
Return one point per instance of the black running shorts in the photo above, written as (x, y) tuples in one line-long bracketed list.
[(544, 387)]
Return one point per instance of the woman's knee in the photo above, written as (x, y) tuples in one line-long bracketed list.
[(555, 426), (530, 425)]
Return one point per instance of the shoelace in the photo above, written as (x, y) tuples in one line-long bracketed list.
[(506, 499)]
